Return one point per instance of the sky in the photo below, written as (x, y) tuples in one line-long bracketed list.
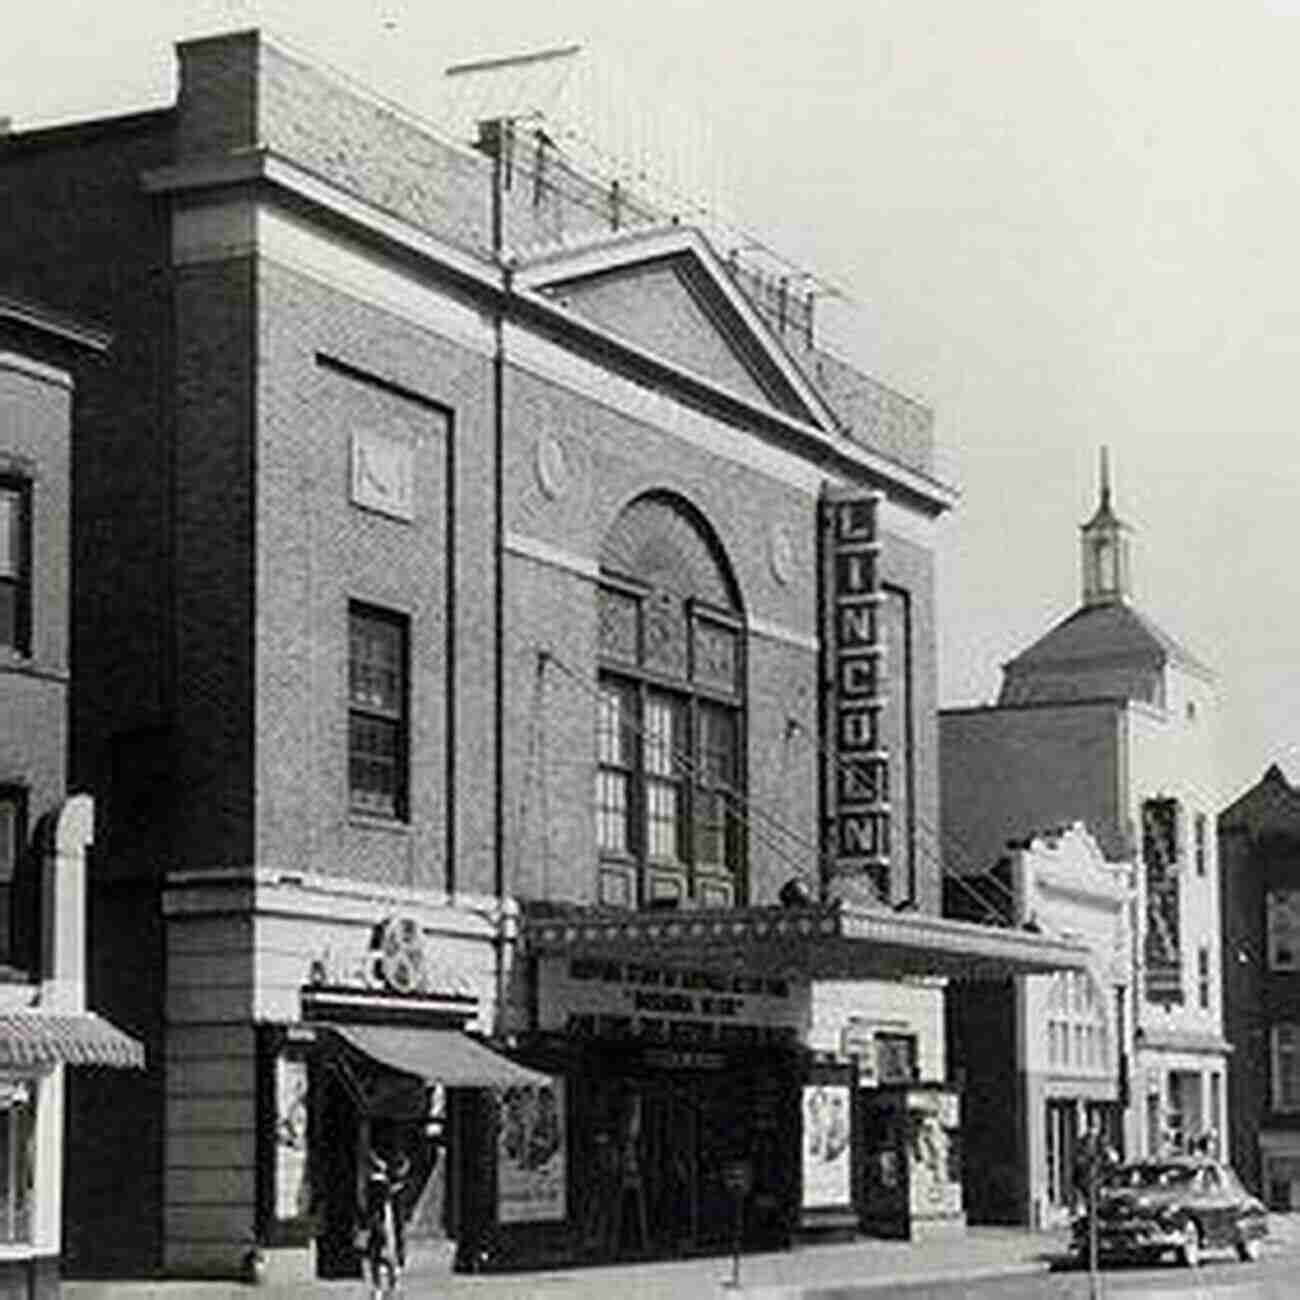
[(1061, 225)]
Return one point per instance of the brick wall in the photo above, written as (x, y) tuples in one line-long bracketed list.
[(612, 458), (331, 366), (909, 720), (77, 234), (243, 91), (1007, 773), (214, 531), (1259, 850)]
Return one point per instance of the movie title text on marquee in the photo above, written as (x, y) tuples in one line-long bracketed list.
[(570, 986)]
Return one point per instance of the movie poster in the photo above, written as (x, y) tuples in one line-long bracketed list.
[(292, 1191), (531, 1153), (827, 1172)]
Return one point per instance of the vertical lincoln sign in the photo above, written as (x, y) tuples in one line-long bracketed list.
[(856, 782)]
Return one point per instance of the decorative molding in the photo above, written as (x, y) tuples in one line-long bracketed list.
[(581, 566), (32, 369), (551, 465), (335, 260), (268, 891), (557, 557), (641, 245), (788, 636), (782, 558), (383, 474)]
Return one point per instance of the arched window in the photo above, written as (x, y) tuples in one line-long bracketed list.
[(670, 737)]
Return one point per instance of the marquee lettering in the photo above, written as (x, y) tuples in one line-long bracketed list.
[(857, 779)]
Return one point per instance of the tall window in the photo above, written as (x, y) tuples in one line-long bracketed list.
[(669, 733), (13, 836), (15, 565), (1284, 929), (17, 1169), (1203, 977), (1078, 1026), (1286, 1067), (377, 712), (1199, 831)]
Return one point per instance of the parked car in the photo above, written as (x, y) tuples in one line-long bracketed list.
[(1184, 1205)]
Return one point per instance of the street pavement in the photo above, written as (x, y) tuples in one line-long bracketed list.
[(990, 1262)]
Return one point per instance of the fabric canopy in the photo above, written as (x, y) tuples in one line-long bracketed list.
[(443, 1056), (42, 1038)]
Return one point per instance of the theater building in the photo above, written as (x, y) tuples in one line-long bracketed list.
[(480, 539)]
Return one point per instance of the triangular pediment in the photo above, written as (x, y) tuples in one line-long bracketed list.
[(669, 296)]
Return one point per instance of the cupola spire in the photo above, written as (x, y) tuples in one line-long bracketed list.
[(1105, 548)]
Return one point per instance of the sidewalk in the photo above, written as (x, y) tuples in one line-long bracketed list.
[(799, 1274), (806, 1273)]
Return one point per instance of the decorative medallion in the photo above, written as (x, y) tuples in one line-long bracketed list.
[(383, 474), (395, 961), (781, 554), (551, 463)]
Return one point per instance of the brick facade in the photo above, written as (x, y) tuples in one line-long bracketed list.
[(292, 264), (1259, 854)]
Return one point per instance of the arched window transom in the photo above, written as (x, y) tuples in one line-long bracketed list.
[(670, 727)]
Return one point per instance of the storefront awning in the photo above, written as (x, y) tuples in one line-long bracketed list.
[(43, 1038), (827, 941), (438, 1056)]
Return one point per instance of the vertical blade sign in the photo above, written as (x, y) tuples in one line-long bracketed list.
[(856, 782)]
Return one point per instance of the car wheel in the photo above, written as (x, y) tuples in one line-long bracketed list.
[(1248, 1249)]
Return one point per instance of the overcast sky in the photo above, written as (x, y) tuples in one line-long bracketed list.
[(1060, 224)]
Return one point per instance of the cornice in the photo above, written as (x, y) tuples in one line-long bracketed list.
[(260, 167)]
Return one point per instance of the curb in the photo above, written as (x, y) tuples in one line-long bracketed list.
[(939, 1277)]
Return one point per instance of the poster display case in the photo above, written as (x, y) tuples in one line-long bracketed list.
[(829, 1131), (911, 1167)]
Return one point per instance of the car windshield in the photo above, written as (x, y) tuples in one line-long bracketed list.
[(1152, 1176)]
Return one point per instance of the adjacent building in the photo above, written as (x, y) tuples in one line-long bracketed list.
[(1259, 864), (1045, 1058), (1106, 719), (44, 834), (462, 546)]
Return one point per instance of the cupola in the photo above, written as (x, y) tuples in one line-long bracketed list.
[(1105, 541)]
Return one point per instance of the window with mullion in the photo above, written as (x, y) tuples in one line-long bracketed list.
[(1286, 1067), (15, 575), (615, 757), (377, 708), (665, 753), (669, 775), (716, 773)]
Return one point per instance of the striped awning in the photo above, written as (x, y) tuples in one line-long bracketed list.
[(42, 1038)]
